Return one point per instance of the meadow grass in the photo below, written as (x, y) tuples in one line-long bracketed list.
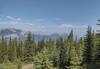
[(7, 66)]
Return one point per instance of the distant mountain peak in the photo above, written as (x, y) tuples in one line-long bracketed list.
[(19, 34), (9, 31)]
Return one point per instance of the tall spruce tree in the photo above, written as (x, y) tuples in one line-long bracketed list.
[(69, 44), (4, 50), (80, 50), (94, 46), (88, 45), (12, 54), (20, 50), (98, 46), (62, 61), (41, 44), (53, 52), (88, 48), (28, 48)]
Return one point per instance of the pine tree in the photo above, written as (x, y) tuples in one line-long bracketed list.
[(20, 50), (98, 46), (76, 55), (88, 44), (62, 61), (80, 51), (28, 49), (88, 48), (1, 52), (94, 46), (53, 51), (12, 54), (96, 51), (4, 50), (41, 44), (41, 61), (69, 44)]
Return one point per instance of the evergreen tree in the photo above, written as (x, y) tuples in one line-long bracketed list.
[(76, 55), (69, 45), (41, 61), (88, 45), (20, 50), (98, 46), (94, 46), (12, 54), (62, 55), (80, 51), (41, 44), (28, 49), (3, 51), (53, 52), (88, 48)]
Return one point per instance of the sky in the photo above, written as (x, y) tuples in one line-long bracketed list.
[(49, 16)]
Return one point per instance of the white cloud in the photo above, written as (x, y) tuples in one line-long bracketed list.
[(73, 26), (78, 30), (42, 29), (9, 17), (13, 18), (66, 25), (39, 19), (13, 22)]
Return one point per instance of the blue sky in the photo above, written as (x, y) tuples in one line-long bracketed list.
[(44, 15)]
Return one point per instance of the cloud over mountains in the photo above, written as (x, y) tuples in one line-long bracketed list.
[(16, 22)]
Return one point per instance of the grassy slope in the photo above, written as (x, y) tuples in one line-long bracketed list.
[(13, 66)]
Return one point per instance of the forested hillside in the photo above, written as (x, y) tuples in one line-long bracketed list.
[(62, 53)]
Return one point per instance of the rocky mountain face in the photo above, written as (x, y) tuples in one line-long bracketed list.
[(11, 32)]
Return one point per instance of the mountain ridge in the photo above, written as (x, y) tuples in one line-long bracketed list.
[(19, 34)]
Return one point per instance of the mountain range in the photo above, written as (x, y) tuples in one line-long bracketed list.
[(19, 34)]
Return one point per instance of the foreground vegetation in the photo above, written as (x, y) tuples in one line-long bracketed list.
[(62, 53)]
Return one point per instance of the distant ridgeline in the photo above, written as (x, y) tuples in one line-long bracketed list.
[(21, 35), (11, 32)]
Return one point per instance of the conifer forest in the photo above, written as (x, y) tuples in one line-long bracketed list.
[(62, 53)]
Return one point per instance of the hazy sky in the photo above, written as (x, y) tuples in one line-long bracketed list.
[(43, 14)]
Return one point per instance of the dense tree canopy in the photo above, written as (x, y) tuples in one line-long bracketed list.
[(60, 53)]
